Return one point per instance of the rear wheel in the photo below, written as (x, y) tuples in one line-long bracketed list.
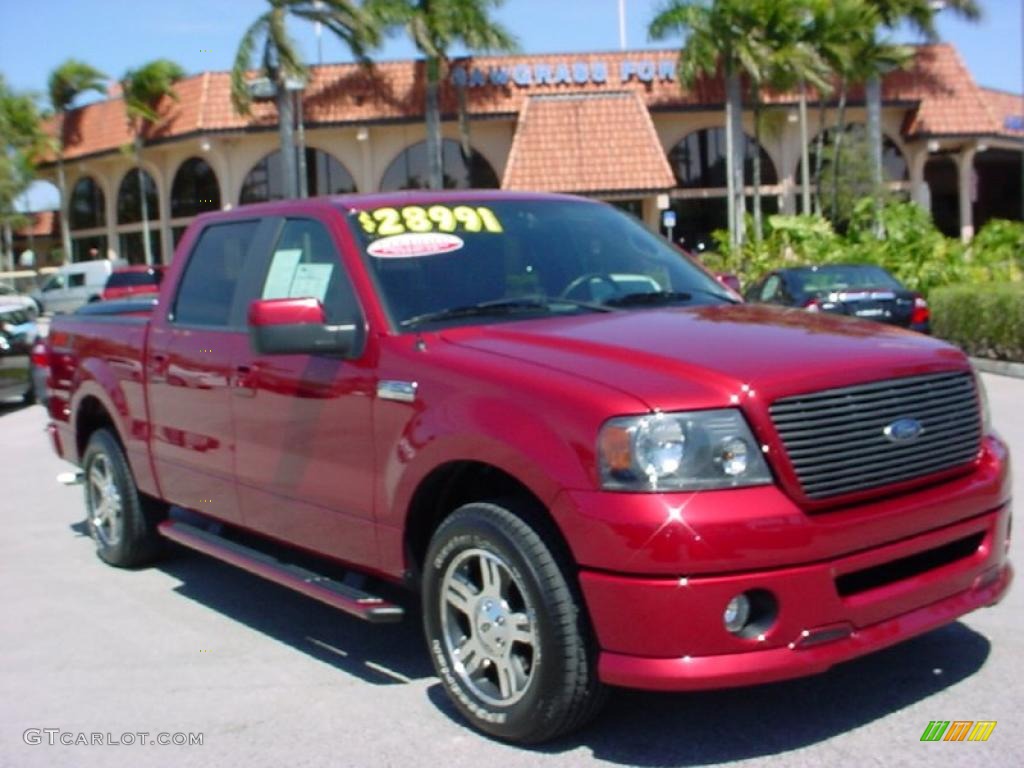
[(121, 521), (506, 628)]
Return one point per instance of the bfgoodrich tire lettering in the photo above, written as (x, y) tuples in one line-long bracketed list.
[(120, 520), (505, 625)]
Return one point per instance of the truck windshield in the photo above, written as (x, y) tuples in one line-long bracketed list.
[(453, 262)]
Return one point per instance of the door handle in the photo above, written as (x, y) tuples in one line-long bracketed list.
[(244, 384)]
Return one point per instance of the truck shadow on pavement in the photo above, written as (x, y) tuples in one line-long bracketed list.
[(636, 727), (705, 728), (383, 654)]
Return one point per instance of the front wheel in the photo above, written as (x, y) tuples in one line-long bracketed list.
[(121, 521), (506, 628)]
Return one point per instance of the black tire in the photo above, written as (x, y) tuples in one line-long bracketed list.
[(561, 691), (29, 398), (129, 537)]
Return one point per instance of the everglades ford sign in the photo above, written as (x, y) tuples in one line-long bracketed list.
[(565, 73)]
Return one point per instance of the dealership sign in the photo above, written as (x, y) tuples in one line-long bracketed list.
[(566, 73)]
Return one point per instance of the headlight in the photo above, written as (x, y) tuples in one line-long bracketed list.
[(687, 451), (986, 414)]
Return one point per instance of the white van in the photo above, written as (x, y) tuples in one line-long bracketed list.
[(74, 285)]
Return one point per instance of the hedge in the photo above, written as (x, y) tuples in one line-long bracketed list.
[(985, 319)]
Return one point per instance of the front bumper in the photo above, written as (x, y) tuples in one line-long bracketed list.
[(736, 669), (668, 634)]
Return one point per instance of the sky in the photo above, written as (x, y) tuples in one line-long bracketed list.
[(115, 35)]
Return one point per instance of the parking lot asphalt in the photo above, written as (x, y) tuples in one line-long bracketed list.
[(271, 678)]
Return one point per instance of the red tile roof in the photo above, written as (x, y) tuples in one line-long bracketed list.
[(948, 101), (42, 224), (587, 143), (1008, 110)]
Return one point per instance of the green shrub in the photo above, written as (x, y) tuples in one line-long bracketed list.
[(913, 249), (985, 320)]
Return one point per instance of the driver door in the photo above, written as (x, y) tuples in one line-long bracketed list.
[(302, 423)]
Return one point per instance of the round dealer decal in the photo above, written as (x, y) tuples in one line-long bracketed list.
[(414, 244)]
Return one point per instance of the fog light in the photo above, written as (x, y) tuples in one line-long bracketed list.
[(736, 614)]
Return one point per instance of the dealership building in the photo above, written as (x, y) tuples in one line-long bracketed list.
[(614, 126)]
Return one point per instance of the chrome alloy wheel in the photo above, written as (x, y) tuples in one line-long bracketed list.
[(106, 510), (489, 628)]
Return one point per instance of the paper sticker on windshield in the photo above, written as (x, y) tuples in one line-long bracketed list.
[(414, 244)]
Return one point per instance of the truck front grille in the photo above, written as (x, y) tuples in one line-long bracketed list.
[(836, 439)]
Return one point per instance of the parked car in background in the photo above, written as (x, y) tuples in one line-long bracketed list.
[(11, 296), (17, 333), (132, 281), (859, 290), (73, 285)]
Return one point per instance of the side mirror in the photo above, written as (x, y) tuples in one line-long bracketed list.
[(299, 327)]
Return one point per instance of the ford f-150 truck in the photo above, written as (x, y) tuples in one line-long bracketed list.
[(594, 465)]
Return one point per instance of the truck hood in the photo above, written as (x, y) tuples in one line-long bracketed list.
[(709, 356)]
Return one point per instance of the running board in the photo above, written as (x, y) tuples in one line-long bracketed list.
[(336, 594)]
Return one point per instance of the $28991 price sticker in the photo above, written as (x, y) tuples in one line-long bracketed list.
[(385, 222)]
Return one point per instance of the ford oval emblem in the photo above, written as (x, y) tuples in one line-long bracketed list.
[(903, 430)]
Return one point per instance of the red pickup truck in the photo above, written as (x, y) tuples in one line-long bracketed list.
[(592, 463)]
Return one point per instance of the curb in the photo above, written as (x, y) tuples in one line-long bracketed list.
[(999, 367)]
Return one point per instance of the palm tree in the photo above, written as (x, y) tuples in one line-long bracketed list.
[(67, 82), (22, 142), (282, 64), (716, 43), (871, 57), (143, 89), (919, 14), (837, 29), (434, 27), (786, 60)]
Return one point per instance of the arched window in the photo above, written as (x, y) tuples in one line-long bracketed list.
[(698, 161), (194, 189), (409, 169), (129, 205), (325, 175), (88, 206), (894, 164)]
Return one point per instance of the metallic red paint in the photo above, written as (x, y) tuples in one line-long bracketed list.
[(302, 450), (286, 312)]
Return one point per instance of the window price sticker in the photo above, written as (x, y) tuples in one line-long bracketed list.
[(388, 222)]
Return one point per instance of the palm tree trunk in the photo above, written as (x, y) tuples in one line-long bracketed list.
[(735, 152), (302, 174), (143, 202), (62, 186), (873, 95), (285, 126), (805, 152), (819, 155), (837, 148), (758, 226), (8, 245), (435, 178)]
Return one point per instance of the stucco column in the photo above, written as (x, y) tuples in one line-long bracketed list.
[(918, 159), (366, 180), (163, 182), (965, 173)]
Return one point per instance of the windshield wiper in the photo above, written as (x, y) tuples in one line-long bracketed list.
[(654, 298), (499, 307)]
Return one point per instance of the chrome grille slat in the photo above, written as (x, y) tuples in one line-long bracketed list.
[(807, 465), (834, 439), (881, 419), (934, 394)]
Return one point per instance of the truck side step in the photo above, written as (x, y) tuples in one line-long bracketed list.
[(327, 590)]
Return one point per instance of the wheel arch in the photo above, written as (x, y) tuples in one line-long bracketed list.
[(458, 482)]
